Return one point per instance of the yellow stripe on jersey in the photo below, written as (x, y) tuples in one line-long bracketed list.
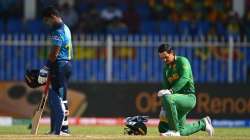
[(69, 47)]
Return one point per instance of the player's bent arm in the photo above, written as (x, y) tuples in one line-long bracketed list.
[(165, 84), (179, 84), (54, 53), (43, 73), (184, 71), (57, 41)]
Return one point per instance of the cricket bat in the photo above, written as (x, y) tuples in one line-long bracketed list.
[(38, 114)]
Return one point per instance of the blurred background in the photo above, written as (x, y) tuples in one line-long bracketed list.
[(116, 69)]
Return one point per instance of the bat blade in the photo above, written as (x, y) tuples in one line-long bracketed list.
[(36, 118), (35, 121)]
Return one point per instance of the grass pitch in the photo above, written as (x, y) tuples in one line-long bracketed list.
[(20, 132)]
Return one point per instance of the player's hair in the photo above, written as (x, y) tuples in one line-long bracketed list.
[(49, 11), (165, 47)]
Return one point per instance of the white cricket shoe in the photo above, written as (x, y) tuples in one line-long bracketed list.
[(170, 133), (64, 134), (209, 128), (61, 134)]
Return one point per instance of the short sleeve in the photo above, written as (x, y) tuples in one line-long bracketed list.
[(56, 39)]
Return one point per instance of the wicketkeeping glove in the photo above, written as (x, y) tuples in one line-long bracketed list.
[(43, 75), (164, 92)]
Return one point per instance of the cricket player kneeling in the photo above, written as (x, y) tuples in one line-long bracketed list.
[(178, 96)]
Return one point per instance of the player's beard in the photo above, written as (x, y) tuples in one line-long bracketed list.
[(169, 60)]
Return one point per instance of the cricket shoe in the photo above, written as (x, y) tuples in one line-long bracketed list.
[(170, 133), (61, 133), (64, 134), (209, 127)]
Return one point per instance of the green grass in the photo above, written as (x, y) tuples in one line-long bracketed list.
[(20, 132)]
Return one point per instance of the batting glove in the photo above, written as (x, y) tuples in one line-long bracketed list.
[(164, 92), (43, 75)]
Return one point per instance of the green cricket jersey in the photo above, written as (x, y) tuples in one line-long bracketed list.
[(178, 76)]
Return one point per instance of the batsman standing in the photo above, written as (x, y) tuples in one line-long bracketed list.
[(178, 96), (59, 68)]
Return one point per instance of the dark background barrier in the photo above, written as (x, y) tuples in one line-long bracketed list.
[(123, 99), (230, 101), (120, 100)]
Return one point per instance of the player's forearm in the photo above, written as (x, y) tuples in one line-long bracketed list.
[(179, 84), (165, 84), (184, 72), (53, 55)]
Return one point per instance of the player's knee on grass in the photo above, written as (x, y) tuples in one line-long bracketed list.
[(183, 133), (163, 127)]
